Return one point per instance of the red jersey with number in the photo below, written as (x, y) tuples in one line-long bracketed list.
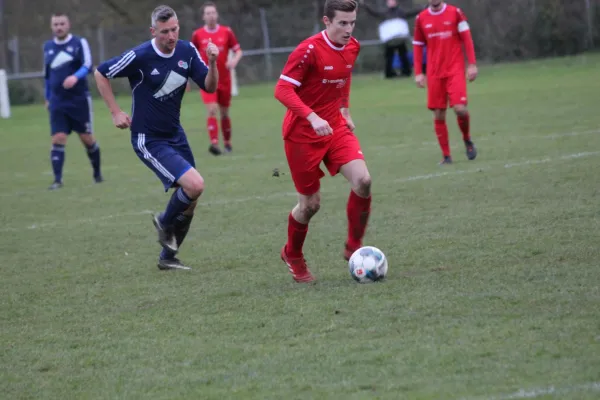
[(441, 32), (320, 72), (224, 38)]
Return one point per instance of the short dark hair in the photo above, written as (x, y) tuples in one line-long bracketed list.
[(162, 14), (59, 14), (331, 6), (208, 4)]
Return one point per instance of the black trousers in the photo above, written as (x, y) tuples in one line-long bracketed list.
[(390, 49)]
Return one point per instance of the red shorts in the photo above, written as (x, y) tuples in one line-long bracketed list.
[(222, 96), (304, 159), (440, 90)]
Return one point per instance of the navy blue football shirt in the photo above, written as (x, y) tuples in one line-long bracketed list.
[(63, 58), (158, 82)]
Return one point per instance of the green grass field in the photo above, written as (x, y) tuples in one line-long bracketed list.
[(494, 283)]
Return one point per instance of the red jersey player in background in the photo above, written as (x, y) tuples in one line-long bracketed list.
[(225, 40), (315, 88), (444, 29)]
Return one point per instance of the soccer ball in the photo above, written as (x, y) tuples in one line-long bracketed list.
[(368, 264)]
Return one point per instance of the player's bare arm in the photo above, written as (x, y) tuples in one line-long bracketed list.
[(237, 56), (119, 117), (212, 77)]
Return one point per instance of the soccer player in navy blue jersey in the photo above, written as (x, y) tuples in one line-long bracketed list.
[(158, 71), (67, 61)]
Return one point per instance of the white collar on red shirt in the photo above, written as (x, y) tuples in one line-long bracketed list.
[(207, 29), (63, 41), (437, 12), (330, 43)]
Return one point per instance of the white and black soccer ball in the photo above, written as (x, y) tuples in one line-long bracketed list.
[(368, 264)]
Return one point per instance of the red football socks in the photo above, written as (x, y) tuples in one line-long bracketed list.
[(441, 131), (463, 124), (213, 130), (358, 211), (296, 236), (226, 128)]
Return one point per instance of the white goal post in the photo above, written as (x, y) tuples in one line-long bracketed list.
[(4, 100)]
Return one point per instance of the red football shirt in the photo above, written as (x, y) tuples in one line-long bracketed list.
[(441, 32), (320, 73), (223, 37)]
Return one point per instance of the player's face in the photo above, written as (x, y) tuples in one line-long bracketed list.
[(210, 16), (391, 3), (435, 3), (60, 26), (166, 34), (340, 28)]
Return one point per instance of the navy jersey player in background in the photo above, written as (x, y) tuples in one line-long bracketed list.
[(158, 72), (67, 61)]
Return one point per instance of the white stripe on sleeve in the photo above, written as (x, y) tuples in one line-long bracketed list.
[(290, 80), (463, 26), (87, 54)]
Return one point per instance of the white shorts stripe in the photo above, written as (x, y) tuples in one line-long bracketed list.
[(148, 156), (91, 115), (290, 80)]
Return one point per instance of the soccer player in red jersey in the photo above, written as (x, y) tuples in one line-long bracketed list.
[(225, 40), (315, 88), (444, 29)]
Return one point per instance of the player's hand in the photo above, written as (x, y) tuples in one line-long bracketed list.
[(472, 72), (70, 81), (320, 126), (121, 120), (420, 80), (212, 51), (230, 64), (348, 118), (47, 104), (350, 123)]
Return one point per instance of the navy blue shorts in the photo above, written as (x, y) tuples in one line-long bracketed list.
[(168, 158), (75, 117)]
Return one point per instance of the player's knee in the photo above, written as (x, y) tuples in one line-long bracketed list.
[(59, 138), (310, 206), (310, 209), (87, 139), (224, 111), (440, 115), (461, 110), (194, 188), (212, 110), (363, 186)]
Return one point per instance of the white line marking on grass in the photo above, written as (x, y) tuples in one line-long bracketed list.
[(510, 165), (550, 390), (229, 167), (227, 201), (75, 221)]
